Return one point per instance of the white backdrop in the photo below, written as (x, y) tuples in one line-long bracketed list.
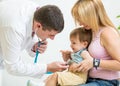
[(61, 41)]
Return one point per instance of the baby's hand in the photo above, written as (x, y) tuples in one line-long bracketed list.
[(66, 54)]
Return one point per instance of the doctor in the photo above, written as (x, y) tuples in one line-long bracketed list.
[(21, 21)]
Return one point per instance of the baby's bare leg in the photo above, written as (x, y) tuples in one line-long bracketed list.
[(51, 80)]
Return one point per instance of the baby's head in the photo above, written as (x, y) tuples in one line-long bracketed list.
[(80, 38)]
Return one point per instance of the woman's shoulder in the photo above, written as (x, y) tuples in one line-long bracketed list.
[(108, 34), (108, 31)]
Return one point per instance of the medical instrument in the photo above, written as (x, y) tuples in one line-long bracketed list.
[(37, 53)]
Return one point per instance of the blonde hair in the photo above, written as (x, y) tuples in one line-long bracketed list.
[(91, 13)]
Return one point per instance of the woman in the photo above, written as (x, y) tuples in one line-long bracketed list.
[(105, 45)]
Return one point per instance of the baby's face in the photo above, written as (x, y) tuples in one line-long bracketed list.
[(76, 45)]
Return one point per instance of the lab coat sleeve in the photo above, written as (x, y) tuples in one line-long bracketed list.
[(30, 46), (11, 48)]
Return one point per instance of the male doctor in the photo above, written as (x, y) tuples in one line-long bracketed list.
[(20, 22)]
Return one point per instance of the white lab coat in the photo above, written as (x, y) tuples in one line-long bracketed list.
[(16, 18)]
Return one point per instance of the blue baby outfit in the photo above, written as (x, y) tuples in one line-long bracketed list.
[(76, 57)]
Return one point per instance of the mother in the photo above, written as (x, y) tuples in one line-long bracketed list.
[(104, 49)]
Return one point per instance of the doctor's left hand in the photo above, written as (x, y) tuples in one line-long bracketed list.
[(42, 47), (57, 66)]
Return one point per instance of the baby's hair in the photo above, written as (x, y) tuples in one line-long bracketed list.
[(82, 33)]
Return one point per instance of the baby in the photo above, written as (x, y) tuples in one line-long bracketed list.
[(80, 39)]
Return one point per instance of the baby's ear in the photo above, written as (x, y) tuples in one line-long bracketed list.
[(85, 43)]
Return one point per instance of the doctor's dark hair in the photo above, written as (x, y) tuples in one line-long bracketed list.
[(50, 17), (82, 34)]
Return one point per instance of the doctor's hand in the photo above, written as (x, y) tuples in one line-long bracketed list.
[(41, 48), (57, 66)]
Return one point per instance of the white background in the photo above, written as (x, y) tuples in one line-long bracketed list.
[(61, 41)]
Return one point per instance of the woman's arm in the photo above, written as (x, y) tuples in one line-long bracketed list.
[(110, 40)]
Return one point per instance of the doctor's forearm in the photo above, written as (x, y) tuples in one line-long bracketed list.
[(25, 69)]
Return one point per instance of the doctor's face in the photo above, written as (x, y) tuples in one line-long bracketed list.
[(43, 34)]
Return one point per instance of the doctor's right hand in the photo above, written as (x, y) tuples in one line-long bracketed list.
[(40, 48), (57, 66)]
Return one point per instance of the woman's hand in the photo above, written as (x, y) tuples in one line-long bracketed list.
[(57, 66), (83, 66), (73, 66), (86, 64), (66, 54), (41, 48)]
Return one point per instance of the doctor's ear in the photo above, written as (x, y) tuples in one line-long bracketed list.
[(39, 25)]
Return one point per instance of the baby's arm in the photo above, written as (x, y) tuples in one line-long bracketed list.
[(66, 54), (85, 54)]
